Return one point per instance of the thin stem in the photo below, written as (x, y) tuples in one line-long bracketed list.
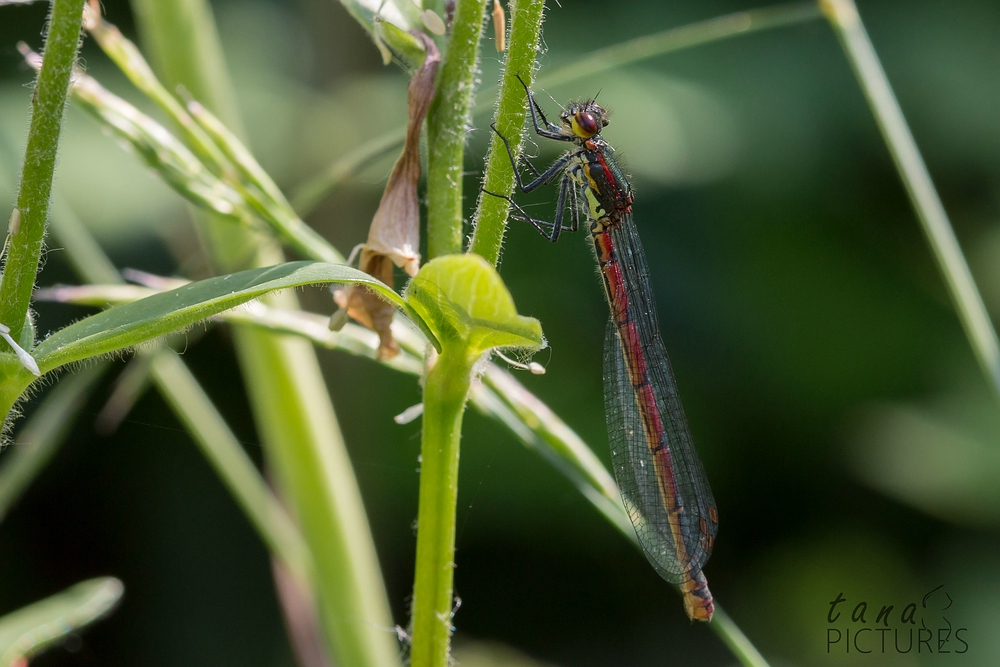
[(733, 637), (445, 394), (306, 450), (843, 16), (491, 214), (48, 105), (446, 130)]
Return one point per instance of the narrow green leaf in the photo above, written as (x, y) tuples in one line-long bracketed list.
[(352, 338), (462, 298), (131, 62), (137, 322), (179, 167), (30, 629)]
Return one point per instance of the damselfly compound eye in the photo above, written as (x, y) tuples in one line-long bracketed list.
[(585, 125)]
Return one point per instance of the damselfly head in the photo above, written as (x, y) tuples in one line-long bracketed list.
[(585, 118)]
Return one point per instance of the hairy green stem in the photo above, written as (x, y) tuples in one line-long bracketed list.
[(491, 214), (843, 16), (446, 130), (48, 104), (445, 394)]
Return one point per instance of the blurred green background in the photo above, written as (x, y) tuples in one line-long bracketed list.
[(850, 438)]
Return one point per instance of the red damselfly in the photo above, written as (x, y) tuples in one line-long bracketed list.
[(663, 484)]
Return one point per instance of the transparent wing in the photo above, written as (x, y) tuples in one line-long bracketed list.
[(663, 483)]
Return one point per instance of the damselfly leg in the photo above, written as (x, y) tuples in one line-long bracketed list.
[(550, 230), (551, 130), (541, 178)]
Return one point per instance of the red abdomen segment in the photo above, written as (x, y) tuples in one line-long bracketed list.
[(663, 486)]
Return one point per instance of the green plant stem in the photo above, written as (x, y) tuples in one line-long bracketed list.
[(447, 120), (309, 194), (306, 449), (48, 104), (843, 16), (491, 214), (735, 640), (445, 394), (291, 404)]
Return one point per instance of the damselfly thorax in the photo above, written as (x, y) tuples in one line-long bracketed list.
[(606, 193)]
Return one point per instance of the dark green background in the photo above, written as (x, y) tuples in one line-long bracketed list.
[(849, 436)]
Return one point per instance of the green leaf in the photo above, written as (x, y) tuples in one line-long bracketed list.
[(400, 42), (140, 321), (389, 22), (462, 299), (30, 629)]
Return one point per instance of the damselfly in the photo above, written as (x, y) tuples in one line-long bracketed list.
[(663, 484)]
